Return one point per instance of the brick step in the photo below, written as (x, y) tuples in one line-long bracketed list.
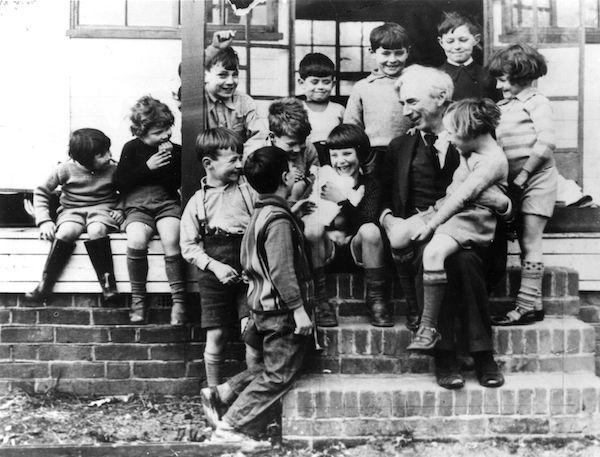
[(322, 407), (555, 344)]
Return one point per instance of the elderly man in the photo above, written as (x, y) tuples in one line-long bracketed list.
[(418, 168)]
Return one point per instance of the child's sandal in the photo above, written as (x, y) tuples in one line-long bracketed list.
[(137, 313), (425, 339), (178, 316)]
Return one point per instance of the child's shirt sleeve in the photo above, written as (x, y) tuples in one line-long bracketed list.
[(255, 129), (540, 111), (190, 235), (131, 169), (280, 249), (42, 194), (354, 107), (483, 175)]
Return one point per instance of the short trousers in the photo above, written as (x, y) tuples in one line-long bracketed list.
[(88, 215), (222, 304), (539, 195), (153, 213)]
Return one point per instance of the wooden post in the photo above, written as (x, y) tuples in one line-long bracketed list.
[(192, 92)]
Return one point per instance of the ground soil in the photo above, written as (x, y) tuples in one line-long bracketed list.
[(63, 419)]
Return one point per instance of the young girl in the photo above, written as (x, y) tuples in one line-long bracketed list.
[(526, 134), (87, 201), (354, 235), (148, 177), (460, 220)]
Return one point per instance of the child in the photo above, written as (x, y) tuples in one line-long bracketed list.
[(458, 36), (353, 237), (212, 225), (526, 133), (459, 220), (87, 202), (148, 177), (289, 128), (373, 103), (225, 106), (317, 75), (275, 262)]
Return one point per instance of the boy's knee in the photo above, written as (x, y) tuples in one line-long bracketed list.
[(370, 233), (96, 230), (314, 233), (69, 231)]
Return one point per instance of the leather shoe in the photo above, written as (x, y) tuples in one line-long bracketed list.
[(489, 374), (412, 322), (380, 316), (325, 316), (519, 317), (447, 372)]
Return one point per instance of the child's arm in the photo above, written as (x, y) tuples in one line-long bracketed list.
[(41, 204), (254, 126), (130, 170), (540, 111), (221, 39), (354, 108), (483, 175)]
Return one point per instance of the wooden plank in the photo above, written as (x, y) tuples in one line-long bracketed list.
[(568, 246), (70, 287), (587, 266), (42, 247)]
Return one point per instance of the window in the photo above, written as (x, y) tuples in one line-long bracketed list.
[(162, 19)]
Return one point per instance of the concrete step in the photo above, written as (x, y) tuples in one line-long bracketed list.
[(322, 407), (555, 344)]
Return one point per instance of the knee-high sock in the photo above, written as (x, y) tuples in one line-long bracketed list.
[(434, 288), (137, 266), (213, 363), (530, 292), (175, 268), (403, 261), (320, 281)]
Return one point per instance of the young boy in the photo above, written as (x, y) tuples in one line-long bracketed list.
[(225, 106), (458, 36), (317, 75), (289, 128), (373, 103), (274, 259), (212, 226)]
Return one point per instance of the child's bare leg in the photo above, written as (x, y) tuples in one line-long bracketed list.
[(528, 305), (399, 232), (138, 237), (69, 231), (434, 288), (175, 266), (321, 249), (214, 354)]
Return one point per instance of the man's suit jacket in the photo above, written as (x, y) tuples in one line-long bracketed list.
[(395, 172)]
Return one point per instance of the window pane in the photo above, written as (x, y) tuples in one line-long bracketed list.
[(163, 13), (367, 28), (591, 13), (350, 33), (301, 51), (303, 31), (567, 14), (329, 51), (324, 32), (269, 72), (259, 15), (107, 12), (350, 59)]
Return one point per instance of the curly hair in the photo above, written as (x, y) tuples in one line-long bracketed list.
[(288, 117), (521, 63), (149, 113), (472, 117)]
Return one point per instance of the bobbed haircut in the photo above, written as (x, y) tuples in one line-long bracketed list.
[(264, 168), (436, 80), (210, 141), (85, 144), (350, 136), (288, 117), (389, 36), (453, 20), (227, 57), (316, 64), (520, 62), (149, 113), (473, 117)]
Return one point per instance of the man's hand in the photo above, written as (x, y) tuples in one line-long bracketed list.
[(422, 234), (302, 321), (521, 179), (303, 207), (223, 38), (224, 273), (47, 230)]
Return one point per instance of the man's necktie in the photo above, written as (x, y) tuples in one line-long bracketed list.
[(430, 139)]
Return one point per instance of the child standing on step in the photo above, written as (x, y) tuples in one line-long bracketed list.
[(88, 202), (274, 259), (212, 226), (460, 220), (149, 177), (526, 133), (353, 237)]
